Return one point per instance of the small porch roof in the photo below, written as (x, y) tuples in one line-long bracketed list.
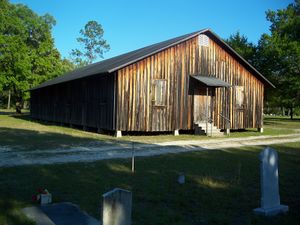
[(211, 81)]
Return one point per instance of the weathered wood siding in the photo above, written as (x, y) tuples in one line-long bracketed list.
[(136, 110), (85, 102)]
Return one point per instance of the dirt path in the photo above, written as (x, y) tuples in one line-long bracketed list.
[(10, 157)]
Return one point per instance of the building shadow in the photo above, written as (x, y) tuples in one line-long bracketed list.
[(6, 113)]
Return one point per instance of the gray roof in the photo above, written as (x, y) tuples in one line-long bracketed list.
[(118, 62), (211, 81)]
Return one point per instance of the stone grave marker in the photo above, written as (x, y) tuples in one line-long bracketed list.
[(64, 213), (181, 178), (116, 207), (270, 199)]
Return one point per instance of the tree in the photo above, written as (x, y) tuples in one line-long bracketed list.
[(93, 44), (279, 56), (241, 45), (27, 53)]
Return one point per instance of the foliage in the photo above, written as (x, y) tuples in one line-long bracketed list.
[(241, 45), (94, 45), (279, 55), (27, 53)]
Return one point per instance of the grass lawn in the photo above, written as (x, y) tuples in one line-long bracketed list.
[(222, 187), (272, 126), (20, 132)]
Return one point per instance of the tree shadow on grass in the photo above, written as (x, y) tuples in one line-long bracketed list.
[(276, 121), (107, 133), (6, 113), (157, 197), (34, 139), (282, 119), (11, 214), (217, 189), (212, 193)]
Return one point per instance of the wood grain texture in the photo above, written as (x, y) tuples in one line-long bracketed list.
[(125, 100), (85, 102), (137, 110)]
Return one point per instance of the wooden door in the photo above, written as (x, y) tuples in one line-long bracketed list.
[(200, 101)]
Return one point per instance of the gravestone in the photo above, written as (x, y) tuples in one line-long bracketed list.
[(181, 178), (64, 213), (270, 199), (116, 207)]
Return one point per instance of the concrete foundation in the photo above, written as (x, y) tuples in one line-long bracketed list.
[(260, 129), (176, 132), (227, 131), (118, 134)]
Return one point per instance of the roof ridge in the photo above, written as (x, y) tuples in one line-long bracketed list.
[(120, 61), (108, 64)]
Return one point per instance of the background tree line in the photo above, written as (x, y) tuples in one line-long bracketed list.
[(277, 57), (28, 55)]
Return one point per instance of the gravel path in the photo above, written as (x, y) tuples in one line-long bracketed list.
[(10, 157)]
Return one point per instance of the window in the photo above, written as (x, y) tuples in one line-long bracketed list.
[(239, 96), (203, 40), (159, 92)]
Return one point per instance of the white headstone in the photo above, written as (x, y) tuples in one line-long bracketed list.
[(270, 199), (116, 207)]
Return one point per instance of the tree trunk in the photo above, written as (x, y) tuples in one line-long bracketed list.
[(292, 113), (8, 101), (282, 110), (19, 101), (25, 105), (18, 107)]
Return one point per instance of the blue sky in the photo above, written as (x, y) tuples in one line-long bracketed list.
[(133, 24)]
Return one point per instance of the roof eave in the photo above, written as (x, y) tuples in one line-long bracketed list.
[(43, 86), (240, 57), (159, 50)]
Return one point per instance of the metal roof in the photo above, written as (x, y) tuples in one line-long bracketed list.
[(115, 63), (118, 62), (211, 81)]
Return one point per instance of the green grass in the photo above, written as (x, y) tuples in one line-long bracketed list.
[(20, 132), (272, 126), (222, 187), (282, 122)]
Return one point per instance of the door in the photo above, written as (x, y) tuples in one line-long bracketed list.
[(202, 104)]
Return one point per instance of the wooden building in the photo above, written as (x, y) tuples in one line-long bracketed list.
[(173, 85)]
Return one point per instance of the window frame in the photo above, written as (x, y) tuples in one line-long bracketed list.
[(162, 85), (239, 97)]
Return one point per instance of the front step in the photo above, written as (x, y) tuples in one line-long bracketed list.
[(200, 129)]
